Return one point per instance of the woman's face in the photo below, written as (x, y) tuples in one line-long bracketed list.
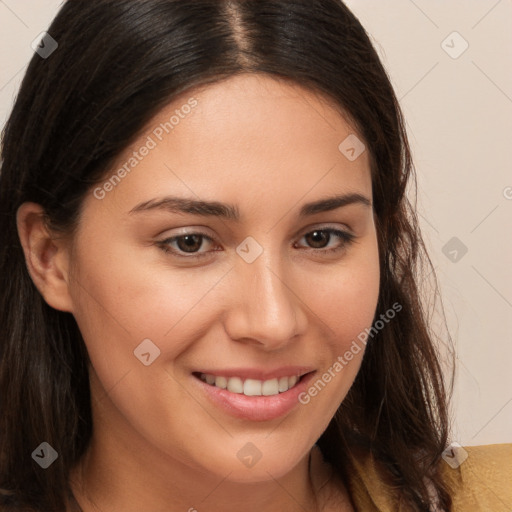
[(260, 290)]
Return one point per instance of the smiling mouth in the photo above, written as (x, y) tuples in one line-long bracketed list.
[(251, 387)]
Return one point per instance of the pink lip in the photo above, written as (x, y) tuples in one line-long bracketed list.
[(256, 373), (255, 408)]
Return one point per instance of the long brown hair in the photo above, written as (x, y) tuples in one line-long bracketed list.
[(118, 62)]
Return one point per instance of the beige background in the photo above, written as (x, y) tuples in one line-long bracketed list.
[(459, 115)]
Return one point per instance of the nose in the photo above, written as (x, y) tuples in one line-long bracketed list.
[(265, 308)]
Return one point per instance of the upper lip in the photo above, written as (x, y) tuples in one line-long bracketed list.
[(259, 373)]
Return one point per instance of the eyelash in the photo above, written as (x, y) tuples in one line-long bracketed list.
[(347, 239)]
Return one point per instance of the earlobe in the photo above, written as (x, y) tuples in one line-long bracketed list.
[(46, 257)]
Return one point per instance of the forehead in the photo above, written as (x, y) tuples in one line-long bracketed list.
[(249, 137)]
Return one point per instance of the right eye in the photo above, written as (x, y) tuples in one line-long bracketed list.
[(187, 243)]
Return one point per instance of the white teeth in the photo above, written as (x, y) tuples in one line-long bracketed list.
[(252, 387), (221, 382), (283, 384), (270, 387), (235, 385)]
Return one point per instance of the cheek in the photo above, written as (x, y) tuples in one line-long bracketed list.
[(137, 298), (345, 302), (346, 298), (349, 307), (120, 301)]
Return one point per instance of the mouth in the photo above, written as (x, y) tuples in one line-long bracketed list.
[(247, 398), (252, 387)]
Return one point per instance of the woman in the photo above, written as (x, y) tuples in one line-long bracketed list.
[(209, 295)]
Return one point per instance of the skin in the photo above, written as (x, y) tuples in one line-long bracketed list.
[(267, 147)]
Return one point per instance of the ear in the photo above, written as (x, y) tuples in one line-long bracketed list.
[(46, 256)]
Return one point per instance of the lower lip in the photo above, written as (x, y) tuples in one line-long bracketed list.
[(256, 408)]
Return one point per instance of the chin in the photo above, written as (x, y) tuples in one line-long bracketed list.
[(258, 461)]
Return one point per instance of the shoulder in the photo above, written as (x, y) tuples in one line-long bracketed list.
[(480, 477)]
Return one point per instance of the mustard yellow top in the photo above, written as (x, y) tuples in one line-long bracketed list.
[(481, 483)]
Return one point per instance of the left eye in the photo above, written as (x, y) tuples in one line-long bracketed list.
[(320, 235), (190, 243)]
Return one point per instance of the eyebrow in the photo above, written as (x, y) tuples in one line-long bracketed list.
[(175, 204)]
